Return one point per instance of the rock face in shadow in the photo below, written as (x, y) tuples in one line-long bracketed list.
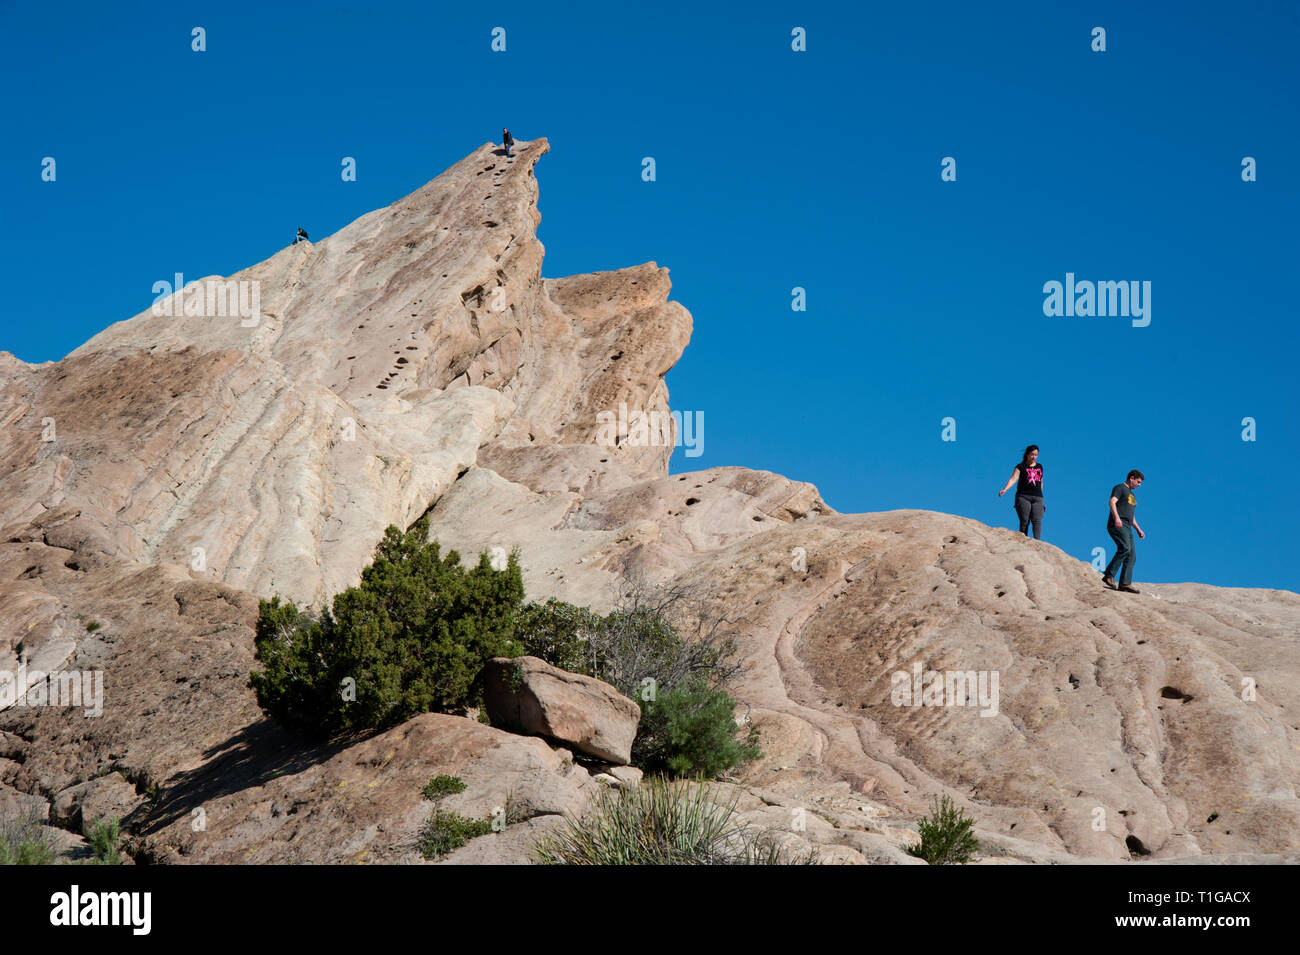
[(175, 468)]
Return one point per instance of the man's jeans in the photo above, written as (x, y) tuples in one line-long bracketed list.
[(1125, 553), (508, 145)]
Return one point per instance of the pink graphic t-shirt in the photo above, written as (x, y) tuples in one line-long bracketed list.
[(1031, 480)]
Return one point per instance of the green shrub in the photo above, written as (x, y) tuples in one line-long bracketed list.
[(691, 731), (93, 626), (660, 822), (32, 851), (637, 643), (946, 837), (413, 636), (632, 643), (558, 633), (444, 831), (24, 841), (665, 634), (443, 786), (105, 838), (515, 680)]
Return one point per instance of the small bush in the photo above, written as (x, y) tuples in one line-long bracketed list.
[(559, 633), (93, 626), (440, 786), (640, 643), (105, 838), (665, 634), (660, 822), (24, 841), (515, 680), (444, 831), (411, 638), (691, 731), (946, 837)]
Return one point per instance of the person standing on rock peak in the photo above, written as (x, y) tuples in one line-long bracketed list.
[(507, 140), (1028, 478), (1121, 524)]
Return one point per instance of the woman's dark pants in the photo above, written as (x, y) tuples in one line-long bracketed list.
[(1030, 509)]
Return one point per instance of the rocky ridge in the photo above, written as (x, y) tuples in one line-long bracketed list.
[(174, 468)]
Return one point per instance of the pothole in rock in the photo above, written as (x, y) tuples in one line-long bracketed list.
[(1136, 847)]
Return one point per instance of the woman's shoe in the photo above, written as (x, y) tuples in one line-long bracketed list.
[(1129, 589)]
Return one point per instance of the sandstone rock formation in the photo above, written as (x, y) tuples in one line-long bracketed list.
[(175, 468), (529, 695)]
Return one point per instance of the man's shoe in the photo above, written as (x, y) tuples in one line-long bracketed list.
[(1129, 589), (1108, 580)]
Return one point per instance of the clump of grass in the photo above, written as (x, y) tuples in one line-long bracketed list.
[(946, 837), (105, 838), (24, 841), (445, 831), (661, 822), (93, 626), (440, 786)]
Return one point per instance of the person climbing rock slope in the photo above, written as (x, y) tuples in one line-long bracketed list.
[(1121, 524)]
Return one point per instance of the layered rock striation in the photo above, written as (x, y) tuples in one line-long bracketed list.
[(176, 467)]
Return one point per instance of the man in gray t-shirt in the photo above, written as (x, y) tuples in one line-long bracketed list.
[(1120, 524)]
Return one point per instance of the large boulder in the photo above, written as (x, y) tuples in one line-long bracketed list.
[(15, 804), (105, 797), (529, 695)]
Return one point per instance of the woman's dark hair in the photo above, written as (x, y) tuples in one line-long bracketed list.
[(1025, 457)]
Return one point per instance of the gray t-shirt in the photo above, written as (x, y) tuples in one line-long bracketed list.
[(1124, 502)]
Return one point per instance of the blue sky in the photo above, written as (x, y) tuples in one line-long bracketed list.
[(775, 169)]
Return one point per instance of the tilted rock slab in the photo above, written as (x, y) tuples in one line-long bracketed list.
[(175, 468), (272, 456), (528, 695)]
